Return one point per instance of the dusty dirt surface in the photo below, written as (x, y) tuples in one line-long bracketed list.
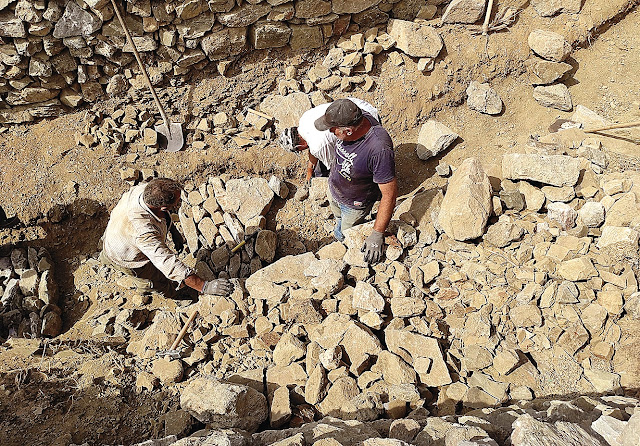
[(74, 391)]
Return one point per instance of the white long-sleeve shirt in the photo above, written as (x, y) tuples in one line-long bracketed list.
[(136, 236)]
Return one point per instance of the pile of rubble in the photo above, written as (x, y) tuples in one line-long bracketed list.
[(548, 70), (459, 316), (585, 421), (131, 132), (219, 215), (28, 307), (488, 294), (352, 59)]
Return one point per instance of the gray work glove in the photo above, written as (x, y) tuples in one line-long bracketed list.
[(220, 287), (372, 247)]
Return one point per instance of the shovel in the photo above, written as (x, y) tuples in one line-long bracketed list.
[(170, 135)]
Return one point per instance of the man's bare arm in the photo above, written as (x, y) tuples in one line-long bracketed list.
[(311, 165), (195, 282), (387, 204)]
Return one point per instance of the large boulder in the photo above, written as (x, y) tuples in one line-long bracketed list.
[(270, 283), (414, 39), (463, 11), (527, 431), (286, 109), (415, 348), (246, 198), (467, 203), (222, 405), (434, 137)]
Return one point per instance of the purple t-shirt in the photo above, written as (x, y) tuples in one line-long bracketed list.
[(360, 166)]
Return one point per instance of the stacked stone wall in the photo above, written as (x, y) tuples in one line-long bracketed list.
[(57, 55)]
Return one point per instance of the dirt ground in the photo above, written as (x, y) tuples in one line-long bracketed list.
[(45, 178)]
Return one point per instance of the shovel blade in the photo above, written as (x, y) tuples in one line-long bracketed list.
[(171, 140)]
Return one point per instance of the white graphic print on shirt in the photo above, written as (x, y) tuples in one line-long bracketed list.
[(345, 160)]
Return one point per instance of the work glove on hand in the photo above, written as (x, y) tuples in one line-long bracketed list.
[(372, 247), (219, 287)]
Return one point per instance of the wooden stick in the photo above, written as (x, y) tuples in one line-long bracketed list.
[(183, 331), (485, 25), (614, 126), (259, 113)]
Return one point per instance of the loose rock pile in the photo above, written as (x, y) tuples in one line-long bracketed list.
[(585, 421), (132, 132), (28, 307), (548, 70), (219, 215), (459, 316)]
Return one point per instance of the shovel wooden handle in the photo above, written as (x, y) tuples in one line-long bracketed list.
[(614, 126), (142, 68), (183, 331), (485, 25)]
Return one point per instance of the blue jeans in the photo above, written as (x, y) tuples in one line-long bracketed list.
[(346, 217)]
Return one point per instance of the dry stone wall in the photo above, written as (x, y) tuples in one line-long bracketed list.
[(28, 295), (56, 55)]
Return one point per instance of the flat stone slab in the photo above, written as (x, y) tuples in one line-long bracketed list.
[(557, 170)]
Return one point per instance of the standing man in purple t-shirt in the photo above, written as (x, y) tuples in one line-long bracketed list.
[(363, 171)]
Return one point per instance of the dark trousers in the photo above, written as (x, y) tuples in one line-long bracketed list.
[(321, 170)]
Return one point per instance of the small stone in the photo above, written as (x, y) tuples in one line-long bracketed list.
[(526, 316), (280, 408), (619, 237), (591, 214), (505, 361), (483, 98), (278, 187), (168, 371), (612, 301), (555, 96), (463, 11), (563, 214), (366, 297), (549, 45), (577, 269), (146, 380)]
